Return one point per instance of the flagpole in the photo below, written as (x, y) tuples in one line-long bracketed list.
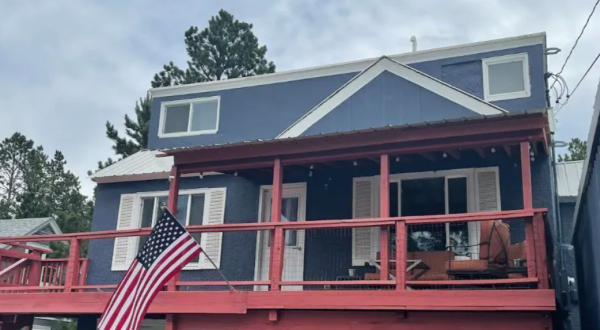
[(218, 270)]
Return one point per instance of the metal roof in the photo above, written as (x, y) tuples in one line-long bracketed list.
[(568, 176), (143, 165), (27, 226)]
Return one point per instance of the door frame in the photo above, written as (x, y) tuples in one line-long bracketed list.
[(301, 217)]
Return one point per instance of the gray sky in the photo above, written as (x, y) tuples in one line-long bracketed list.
[(66, 67)]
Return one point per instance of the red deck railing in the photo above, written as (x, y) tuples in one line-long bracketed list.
[(28, 272)]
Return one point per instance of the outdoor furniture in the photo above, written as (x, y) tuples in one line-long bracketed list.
[(517, 260), (493, 254), (415, 267)]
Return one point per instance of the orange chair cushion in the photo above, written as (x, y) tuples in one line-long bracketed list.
[(467, 265)]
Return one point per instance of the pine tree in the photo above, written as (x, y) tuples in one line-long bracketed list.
[(577, 151), (227, 48), (13, 152)]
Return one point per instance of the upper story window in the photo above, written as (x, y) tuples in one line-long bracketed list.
[(506, 77), (189, 117)]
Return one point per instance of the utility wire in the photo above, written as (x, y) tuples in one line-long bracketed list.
[(577, 40), (585, 74)]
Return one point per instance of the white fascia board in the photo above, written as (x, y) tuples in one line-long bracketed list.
[(353, 66), (386, 64)]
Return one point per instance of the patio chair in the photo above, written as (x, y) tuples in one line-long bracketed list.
[(493, 254)]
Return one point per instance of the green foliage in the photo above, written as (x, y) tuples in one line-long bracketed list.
[(64, 325), (227, 48), (577, 151), (44, 188)]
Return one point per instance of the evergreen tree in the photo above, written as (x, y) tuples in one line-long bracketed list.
[(577, 151), (227, 48), (13, 152)]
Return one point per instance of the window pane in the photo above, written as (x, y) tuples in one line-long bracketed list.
[(146, 220), (196, 216), (182, 204), (161, 201), (176, 118), (457, 203), (289, 213), (424, 197), (506, 77), (205, 116)]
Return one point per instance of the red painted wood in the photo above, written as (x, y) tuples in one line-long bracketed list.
[(468, 130), (526, 175), (13, 268), (255, 226), (221, 283), (84, 270), (363, 282), (401, 246), (32, 288), (20, 255), (172, 206), (234, 302), (29, 247), (368, 320), (73, 266), (277, 237), (35, 270), (530, 248), (476, 282), (540, 250), (273, 315), (170, 322), (384, 212), (220, 167)]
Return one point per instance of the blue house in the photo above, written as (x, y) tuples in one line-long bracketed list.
[(401, 188)]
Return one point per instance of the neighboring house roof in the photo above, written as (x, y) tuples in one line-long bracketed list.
[(568, 175), (141, 166), (590, 158), (385, 63), (354, 66), (28, 226)]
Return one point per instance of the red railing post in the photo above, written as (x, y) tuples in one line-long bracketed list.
[(172, 206), (72, 266), (526, 176), (277, 237), (84, 268), (530, 247), (35, 270), (384, 212), (401, 255), (540, 250)]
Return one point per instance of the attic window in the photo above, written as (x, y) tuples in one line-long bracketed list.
[(189, 117), (506, 77)]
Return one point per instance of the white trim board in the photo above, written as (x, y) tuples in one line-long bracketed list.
[(353, 66), (401, 70)]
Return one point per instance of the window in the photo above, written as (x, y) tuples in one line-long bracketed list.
[(190, 211), (189, 117), (506, 77)]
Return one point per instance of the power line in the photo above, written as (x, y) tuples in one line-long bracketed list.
[(585, 74), (577, 40)]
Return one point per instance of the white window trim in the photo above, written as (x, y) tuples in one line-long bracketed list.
[(524, 58), (163, 113), (138, 204)]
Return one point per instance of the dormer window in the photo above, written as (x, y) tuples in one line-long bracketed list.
[(506, 77), (189, 117)]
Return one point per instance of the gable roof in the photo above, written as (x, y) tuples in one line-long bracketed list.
[(27, 226), (385, 63), (568, 175), (353, 66)]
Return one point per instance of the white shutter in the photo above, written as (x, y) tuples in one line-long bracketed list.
[(214, 215), (364, 205), (487, 196), (125, 248)]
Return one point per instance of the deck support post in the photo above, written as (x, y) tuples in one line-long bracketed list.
[(35, 270), (401, 247), (527, 205), (384, 212), (277, 236), (72, 266), (539, 232), (174, 179)]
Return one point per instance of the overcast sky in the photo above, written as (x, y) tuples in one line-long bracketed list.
[(66, 67)]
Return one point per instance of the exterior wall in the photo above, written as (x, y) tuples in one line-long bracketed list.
[(388, 100), (327, 251), (585, 242), (262, 112), (567, 211)]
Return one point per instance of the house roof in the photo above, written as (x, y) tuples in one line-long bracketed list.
[(28, 226), (385, 63), (568, 175), (143, 165), (592, 145), (354, 66)]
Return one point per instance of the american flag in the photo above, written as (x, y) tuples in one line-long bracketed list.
[(168, 249)]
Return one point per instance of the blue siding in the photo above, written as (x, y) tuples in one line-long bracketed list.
[(262, 112), (327, 251), (388, 100)]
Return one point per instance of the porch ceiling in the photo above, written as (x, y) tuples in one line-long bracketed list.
[(430, 141)]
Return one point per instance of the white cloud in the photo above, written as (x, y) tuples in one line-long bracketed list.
[(66, 67)]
